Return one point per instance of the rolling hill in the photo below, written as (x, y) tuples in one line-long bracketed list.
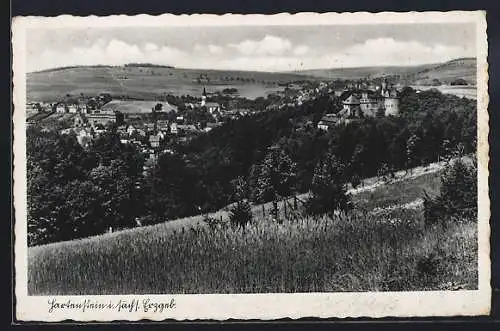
[(362, 72), (464, 68), (148, 81), (447, 72)]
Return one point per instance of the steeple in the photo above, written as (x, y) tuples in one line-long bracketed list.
[(203, 97)]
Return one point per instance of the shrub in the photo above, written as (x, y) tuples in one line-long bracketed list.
[(355, 181), (213, 222), (241, 214), (385, 173), (329, 188), (457, 200)]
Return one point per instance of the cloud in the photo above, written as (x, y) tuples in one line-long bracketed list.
[(388, 51), (114, 52), (211, 48), (150, 47), (301, 50), (270, 53), (214, 49), (269, 45)]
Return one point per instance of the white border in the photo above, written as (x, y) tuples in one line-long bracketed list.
[(258, 306)]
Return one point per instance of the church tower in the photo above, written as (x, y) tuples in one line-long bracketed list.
[(203, 97)]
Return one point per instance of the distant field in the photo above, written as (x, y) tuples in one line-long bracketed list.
[(363, 72), (460, 91), (382, 250), (147, 83), (135, 107)]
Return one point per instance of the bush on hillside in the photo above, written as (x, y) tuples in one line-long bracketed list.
[(355, 181), (241, 214), (329, 188), (457, 200)]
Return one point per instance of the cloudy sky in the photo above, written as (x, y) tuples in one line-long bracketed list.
[(271, 48)]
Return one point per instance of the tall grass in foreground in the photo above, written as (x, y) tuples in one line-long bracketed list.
[(357, 252)]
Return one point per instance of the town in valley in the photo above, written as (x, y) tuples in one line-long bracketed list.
[(256, 159)]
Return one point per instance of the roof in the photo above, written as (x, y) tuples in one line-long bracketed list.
[(213, 125), (351, 100), (187, 127), (393, 93), (101, 115), (328, 120), (212, 104), (154, 138)]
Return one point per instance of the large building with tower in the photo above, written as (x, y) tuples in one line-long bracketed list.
[(383, 101)]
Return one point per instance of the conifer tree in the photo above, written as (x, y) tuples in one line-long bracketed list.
[(329, 187), (241, 212), (458, 196)]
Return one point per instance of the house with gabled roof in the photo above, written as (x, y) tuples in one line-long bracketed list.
[(154, 141), (328, 122), (212, 107), (60, 107), (351, 105)]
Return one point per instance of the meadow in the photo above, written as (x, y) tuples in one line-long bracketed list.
[(149, 83), (135, 106), (382, 246), (467, 91)]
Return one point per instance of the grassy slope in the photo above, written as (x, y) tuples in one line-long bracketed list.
[(142, 82), (420, 74), (363, 72), (446, 72), (372, 250)]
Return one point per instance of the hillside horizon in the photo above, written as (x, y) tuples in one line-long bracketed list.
[(154, 65), (147, 81)]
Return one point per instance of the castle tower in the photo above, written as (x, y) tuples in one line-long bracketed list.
[(391, 103), (203, 97)]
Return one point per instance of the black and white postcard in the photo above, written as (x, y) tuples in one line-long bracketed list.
[(251, 166)]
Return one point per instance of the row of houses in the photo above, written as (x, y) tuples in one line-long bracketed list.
[(73, 108)]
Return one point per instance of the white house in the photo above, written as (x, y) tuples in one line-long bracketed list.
[(73, 109), (154, 141), (131, 129), (173, 128), (60, 108), (82, 108), (212, 107), (328, 122)]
